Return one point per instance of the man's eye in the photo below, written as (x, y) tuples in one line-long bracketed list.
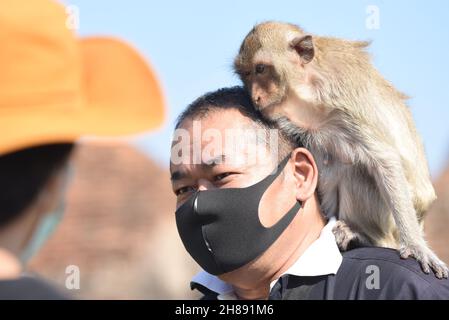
[(183, 190), (220, 177), (246, 73), (260, 68)]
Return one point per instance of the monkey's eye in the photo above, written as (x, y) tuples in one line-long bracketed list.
[(260, 68)]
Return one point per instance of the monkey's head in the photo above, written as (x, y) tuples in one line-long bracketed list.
[(272, 57)]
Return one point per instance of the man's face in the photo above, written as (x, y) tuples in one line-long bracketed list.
[(241, 165), (239, 169)]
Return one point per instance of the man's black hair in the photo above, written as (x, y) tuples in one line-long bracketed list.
[(225, 98), (24, 173), (233, 98)]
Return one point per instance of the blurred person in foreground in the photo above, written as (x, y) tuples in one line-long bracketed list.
[(54, 89), (248, 213)]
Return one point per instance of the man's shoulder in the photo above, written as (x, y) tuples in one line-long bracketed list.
[(382, 273), (388, 258), (384, 257)]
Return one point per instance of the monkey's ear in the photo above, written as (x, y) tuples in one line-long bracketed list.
[(304, 47)]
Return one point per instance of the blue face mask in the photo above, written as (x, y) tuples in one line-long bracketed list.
[(47, 224)]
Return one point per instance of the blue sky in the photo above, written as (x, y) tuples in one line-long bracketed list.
[(191, 45)]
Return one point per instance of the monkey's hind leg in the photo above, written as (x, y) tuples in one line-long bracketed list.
[(346, 238), (388, 172)]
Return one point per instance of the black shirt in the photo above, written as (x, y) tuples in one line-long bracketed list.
[(28, 288), (365, 273)]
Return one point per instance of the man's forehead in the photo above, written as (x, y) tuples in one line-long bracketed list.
[(223, 136)]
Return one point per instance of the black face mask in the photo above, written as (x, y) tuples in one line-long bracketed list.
[(221, 229)]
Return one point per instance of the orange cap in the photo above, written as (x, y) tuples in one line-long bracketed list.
[(55, 87)]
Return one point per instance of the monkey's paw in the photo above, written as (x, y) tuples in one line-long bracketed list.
[(426, 258), (345, 237)]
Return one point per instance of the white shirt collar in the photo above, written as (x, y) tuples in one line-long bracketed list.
[(320, 258)]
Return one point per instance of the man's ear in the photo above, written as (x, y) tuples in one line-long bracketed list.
[(304, 47), (305, 173)]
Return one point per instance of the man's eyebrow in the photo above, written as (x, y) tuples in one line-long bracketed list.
[(178, 175), (212, 162), (207, 165)]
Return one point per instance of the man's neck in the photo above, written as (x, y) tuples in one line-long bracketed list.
[(309, 238), (261, 288)]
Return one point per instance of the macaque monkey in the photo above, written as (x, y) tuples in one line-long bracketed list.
[(373, 172)]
